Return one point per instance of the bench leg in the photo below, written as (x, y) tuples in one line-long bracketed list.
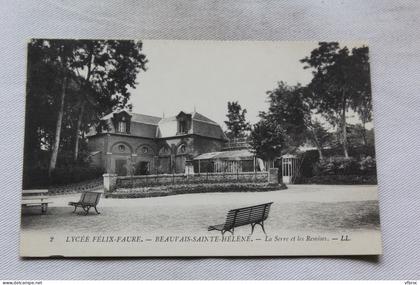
[(75, 208), (96, 210), (44, 208), (252, 228), (86, 210), (262, 226), (225, 231)]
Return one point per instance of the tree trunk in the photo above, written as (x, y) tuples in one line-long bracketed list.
[(56, 143), (317, 144), (321, 155), (78, 127), (364, 132), (344, 128)]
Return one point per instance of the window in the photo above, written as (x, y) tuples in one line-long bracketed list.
[(144, 150), (122, 127), (182, 149), (182, 126), (121, 148)]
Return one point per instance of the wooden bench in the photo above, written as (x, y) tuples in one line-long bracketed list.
[(253, 215), (87, 200), (34, 198)]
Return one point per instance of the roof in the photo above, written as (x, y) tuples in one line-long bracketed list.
[(240, 154), (199, 117), (139, 118), (201, 125), (167, 127), (145, 119)]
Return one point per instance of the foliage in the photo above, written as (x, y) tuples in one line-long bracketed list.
[(70, 84), (237, 126), (346, 166), (288, 109), (38, 176), (339, 180), (358, 135), (292, 109), (340, 81), (368, 165), (267, 139)]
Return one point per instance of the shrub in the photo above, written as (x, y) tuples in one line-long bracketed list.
[(337, 170), (73, 174), (338, 166), (38, 176), (339, 179), (368, 165), (345, 166)]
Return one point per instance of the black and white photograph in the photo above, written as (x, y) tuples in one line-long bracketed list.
[(198, 148)]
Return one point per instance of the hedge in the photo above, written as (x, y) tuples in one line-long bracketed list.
[(339, 179), (38, 177)]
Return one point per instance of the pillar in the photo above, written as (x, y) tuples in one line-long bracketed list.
[(273, 176), (110, 182)]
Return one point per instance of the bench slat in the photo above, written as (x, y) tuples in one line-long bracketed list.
[(34, 197), (36, 204), (39, 191)]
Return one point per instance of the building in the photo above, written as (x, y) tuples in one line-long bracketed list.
[(128, 143)]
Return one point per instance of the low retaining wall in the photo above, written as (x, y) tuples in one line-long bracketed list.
[(113, 182), (91, 185), (168, 179)]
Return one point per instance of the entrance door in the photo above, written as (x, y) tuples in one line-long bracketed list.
[(143, 168), (165, 164), (121, 167), (180, 163)]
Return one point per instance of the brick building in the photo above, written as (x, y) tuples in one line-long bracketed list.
[(123, 142)]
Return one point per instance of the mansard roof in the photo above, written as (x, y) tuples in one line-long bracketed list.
[(139, 118), (167, 127), (200, 125)]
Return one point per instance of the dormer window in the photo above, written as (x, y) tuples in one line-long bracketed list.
[(122, 127), (184, 123), (122, 122), (182, 127)]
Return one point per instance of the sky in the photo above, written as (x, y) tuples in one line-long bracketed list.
[(205, 75)]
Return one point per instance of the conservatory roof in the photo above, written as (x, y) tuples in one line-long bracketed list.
[(227, 155)]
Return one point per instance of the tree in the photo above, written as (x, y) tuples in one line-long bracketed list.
[(107, 69), (335, 86), (57, 53), (363, 101), (43, 85), (71, 83), (288, 109), (318, 136), (292, 108), (267, 138), (237, 126)]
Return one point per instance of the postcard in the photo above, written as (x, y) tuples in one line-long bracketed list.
[(198, 148)]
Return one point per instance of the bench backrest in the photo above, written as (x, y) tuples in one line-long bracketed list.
[(90, 198), (247, 215)]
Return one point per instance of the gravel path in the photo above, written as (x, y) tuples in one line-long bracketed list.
[(315, 208)]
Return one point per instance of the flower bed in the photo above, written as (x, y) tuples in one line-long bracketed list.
[(145, 192)]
